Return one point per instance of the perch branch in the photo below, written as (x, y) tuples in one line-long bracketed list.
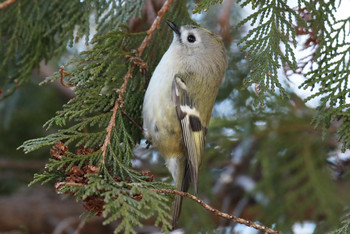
[(219, 213), (200, 202), (119, 103), (5, 4)]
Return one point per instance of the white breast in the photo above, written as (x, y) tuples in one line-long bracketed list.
[(159, 117)]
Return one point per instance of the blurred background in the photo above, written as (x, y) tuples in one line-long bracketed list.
[(265, 163)]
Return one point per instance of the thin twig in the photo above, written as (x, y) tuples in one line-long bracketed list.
[(5, 4), (154, 27), (59, 185), (219, 213), (119, 103), (109, 128), (122, 89), (133, 121), (257, 89), (63, 72), (200, 202)]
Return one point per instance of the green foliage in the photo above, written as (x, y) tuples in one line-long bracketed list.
[(332, 70), (275, 29), (152, 204), (345, 225), (328, 77), (287, 159), (97, 74), (295, 176), (203, 5), (262, 43), (129, 203), (43, 29)]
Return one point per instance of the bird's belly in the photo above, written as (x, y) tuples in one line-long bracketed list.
[(160, 121)]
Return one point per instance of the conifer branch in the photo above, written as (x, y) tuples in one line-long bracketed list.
[(5, 4), (219, 213), (119, 103)]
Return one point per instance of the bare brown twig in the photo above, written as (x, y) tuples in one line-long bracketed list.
[(119, 103), (257, 89), (154, 27), (63, 72), (133, 121), (219, 213), (109, 128), (5, 4), (200, 202)]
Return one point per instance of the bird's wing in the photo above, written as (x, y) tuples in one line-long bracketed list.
[(193, 132)]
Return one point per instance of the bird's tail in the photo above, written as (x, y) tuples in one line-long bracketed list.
[(176, 210), (183, 181)]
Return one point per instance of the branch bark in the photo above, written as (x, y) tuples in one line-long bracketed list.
[(200, 202), (154, 27), (5, 4), (109, 128), (219, 213), (62, 73)]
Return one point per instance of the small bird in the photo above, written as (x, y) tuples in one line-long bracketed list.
[(179, 100)]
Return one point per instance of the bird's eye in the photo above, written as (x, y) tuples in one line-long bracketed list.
[(191, 38)]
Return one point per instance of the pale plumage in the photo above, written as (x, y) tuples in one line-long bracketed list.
[(179, 100)]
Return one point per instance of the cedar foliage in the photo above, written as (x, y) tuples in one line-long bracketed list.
[(293, 182)]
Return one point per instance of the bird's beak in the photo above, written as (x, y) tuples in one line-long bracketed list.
[(174, 27)]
